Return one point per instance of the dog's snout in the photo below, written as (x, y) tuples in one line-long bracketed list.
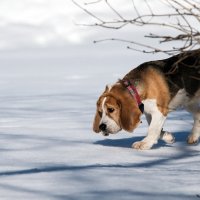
[(102, 127)]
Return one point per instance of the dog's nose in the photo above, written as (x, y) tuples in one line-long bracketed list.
[(102, 127)]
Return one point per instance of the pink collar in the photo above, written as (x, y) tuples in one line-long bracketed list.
[(134, 93)]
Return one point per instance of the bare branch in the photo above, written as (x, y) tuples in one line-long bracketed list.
[(89, 13), (115, 11), (182, 16), (151, 49)]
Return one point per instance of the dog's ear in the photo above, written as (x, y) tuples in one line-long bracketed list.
[(96, 122), (97, 117), (130, 113)]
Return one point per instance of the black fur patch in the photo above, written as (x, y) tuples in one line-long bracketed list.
[(181, 71)]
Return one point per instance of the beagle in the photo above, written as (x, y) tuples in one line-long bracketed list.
[(154, 88)]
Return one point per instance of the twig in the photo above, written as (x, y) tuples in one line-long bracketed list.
[(179, 17)]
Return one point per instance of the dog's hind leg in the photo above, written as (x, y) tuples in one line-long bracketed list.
[(195, 134), (167, 137)]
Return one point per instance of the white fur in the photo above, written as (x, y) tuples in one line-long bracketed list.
[(167, 137), (112, 126), (156, 119), (109, 87), (183, 100), (193, 106), (180, 99), (195, 134), (155, 127), (164, 135)]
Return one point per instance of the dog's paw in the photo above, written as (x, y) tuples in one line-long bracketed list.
[(193, 139), (142, 145), (167, 137)]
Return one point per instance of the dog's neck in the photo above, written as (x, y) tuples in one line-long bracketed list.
[(132, 87), (139, 85)]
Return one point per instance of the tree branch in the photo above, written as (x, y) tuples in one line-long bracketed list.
[(183, 16)]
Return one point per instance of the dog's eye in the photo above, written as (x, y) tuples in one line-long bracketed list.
[(111, 110), (100, 114)]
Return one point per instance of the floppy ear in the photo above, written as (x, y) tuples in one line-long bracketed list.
[(130, 113), (97, 118), (96, 122)]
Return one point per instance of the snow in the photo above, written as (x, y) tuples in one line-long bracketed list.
[(48, 150)]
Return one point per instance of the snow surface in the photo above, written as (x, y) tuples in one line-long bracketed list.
[(48, 150)]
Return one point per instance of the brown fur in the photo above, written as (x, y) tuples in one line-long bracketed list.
[(130, 113), (112, 102), (96, 122), (119, 98), (156, 89)]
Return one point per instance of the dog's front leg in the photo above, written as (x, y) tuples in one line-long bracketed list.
[(154, 131), (164, 135)]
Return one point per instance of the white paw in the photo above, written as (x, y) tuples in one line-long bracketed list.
[(193, 139), (167, 137), (142, 145)]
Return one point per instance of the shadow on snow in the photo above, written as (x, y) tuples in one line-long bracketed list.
[(127, 142)]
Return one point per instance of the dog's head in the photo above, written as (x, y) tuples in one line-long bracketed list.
[(116, 110)]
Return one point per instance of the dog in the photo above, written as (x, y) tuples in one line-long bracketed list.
[(154, 88)]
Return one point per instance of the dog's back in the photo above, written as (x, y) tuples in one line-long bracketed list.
[(181, 71)]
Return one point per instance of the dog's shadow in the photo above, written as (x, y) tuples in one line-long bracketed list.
[(124, 142), (180, 137)]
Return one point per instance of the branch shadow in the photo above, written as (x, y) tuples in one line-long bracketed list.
[(182, 153), (135, 194), (100, 194)]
